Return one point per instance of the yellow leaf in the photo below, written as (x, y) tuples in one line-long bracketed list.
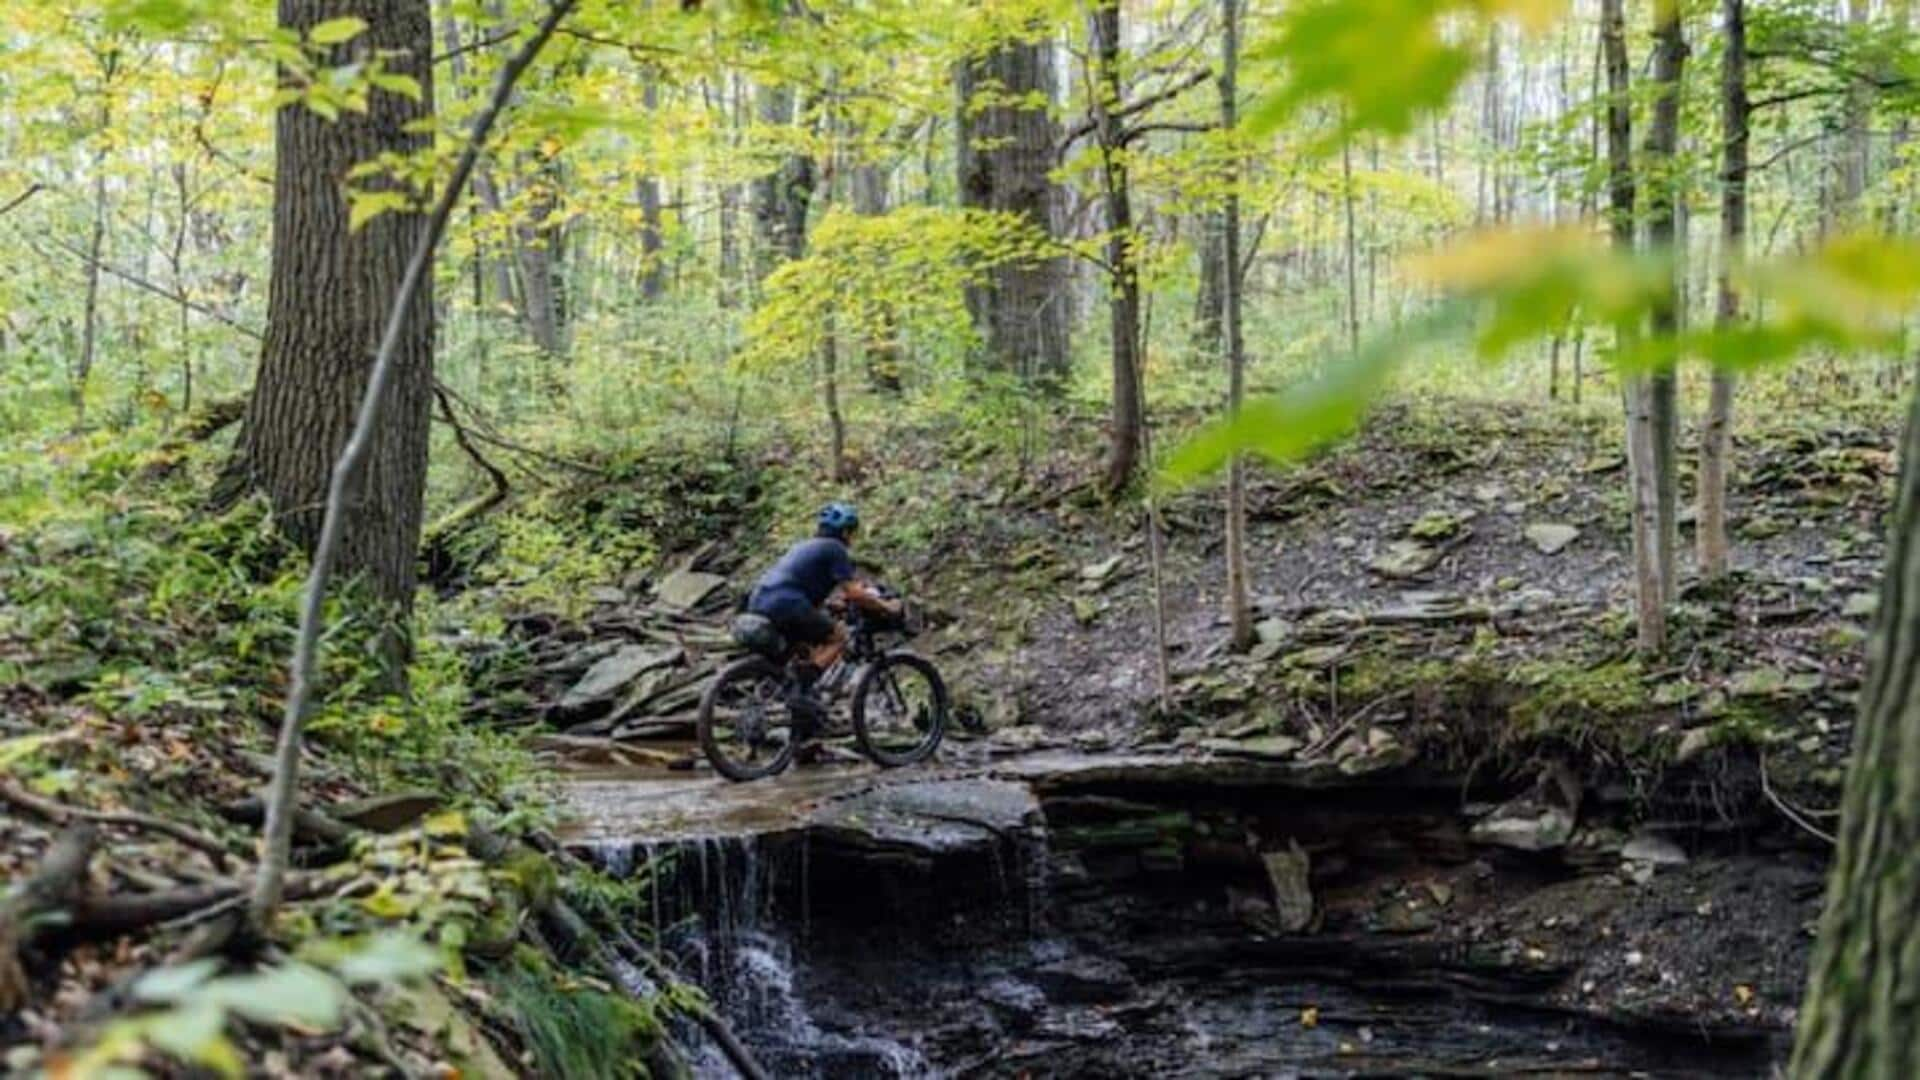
[(446, 823)]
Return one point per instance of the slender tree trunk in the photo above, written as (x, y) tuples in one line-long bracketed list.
[(1103, 34), (486, 251), (1862, 1005), (1553, 365), (1662, 147), (1486, 191), (1006, 141), (1856, 153), (1716, 433), (732, 262), (330, 292), (96, 244), (1649, 605), (176, 260), (653, 272), (1353, 265), (1239, 609)]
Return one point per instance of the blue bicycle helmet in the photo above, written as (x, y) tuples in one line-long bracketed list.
[(838, 519)]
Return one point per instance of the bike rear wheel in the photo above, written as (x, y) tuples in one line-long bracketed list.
[(900, 709), (746, 721)]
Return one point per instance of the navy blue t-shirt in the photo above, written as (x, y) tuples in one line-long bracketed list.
[(811, 568)]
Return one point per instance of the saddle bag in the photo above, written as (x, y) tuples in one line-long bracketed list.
[(757, 632)]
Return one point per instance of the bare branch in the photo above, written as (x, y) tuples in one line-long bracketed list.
[(33, 189), (139, 282), (61, 814), (1166, 93)]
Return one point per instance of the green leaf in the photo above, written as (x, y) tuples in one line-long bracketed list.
[(388, 957), (395, 83), (364, 206), (1314, 412), (289, 994), (337, 31), (158, 16), (196, 1032), (14, 751), (174, 983)]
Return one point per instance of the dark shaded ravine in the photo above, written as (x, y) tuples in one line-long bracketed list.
[(1117, 917)]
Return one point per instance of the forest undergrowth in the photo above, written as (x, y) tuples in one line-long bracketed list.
[(1407, 618)]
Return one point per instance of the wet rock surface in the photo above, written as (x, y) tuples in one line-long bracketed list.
[(1062, 915)]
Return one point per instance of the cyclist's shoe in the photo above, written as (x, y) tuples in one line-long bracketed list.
[(809, 717)]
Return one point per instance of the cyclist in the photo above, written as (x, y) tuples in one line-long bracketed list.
[(813, 576)]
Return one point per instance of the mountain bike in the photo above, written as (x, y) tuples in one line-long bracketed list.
[(762, 707)]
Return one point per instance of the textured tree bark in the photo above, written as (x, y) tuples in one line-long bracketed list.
[(1103, 34), (1239, 610), (1862, 1005), (398, 335), (1662, 145), (329, 296), (1716, 432), (1007, 140), (1649, 607)]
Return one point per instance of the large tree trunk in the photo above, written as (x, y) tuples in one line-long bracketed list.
[(1716, 432), (1209, 302), (1239, 609), (1663, 141), (1862, 1007), (329, 297), (537, 251), (869, 187), (1103, 33), (781, 198), (653, 276), (1855, 153), (1006, 145), (1649, 606)]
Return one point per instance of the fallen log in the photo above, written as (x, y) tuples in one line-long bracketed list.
[(306, 821)]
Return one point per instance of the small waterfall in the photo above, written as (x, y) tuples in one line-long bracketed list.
[(1035, 859), (713, 901), (763, 1001)]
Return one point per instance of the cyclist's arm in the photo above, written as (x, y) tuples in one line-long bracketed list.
[(861, 593)]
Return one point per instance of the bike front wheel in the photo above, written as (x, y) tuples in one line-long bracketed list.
[(746, 720), (899, 709)]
